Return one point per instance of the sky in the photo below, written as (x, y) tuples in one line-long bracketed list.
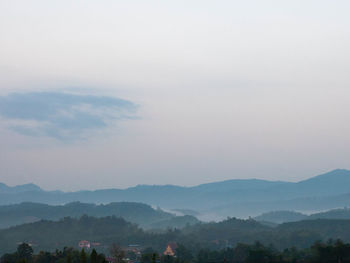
[(111, 94)]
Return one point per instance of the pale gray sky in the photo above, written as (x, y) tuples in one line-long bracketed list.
[(97, 94)]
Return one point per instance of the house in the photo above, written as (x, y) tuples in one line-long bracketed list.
[(110, 260), (84, 244), (170, 249), (95, 244)]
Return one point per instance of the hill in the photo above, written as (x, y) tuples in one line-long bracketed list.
[(299, 234), (105, 231), (239, 198), (5, 189), (331, 183), (279, 217), (304, 233), (48, 235), (141, 214), (343, 213), (175, 222)]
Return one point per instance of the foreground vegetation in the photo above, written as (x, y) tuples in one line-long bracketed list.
[(330, 252), (49, 235)]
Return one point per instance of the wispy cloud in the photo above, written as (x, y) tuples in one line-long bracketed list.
[(63, 116)]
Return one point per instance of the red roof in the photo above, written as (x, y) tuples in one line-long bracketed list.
[(173, 246)]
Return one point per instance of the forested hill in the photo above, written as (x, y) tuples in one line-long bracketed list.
[(48, 235), (279, 217), (141, 214), (239, 198), (105, 231)]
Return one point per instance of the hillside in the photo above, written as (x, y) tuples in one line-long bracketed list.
[(343, 213), (279, 217), (239, 198), (175, 222), (298, 234), (308, 230), (138, 213), (5, 189), (50, 235)]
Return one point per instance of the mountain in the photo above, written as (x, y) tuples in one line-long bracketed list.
[(332, 214), (308, 205), (141, 214), (185, 212), (175, 222), (332, 183), (239, 198), (238, 184), (325, 228), (50, 235), (19, 188), (299, 234), (323, 192), (279, 217)]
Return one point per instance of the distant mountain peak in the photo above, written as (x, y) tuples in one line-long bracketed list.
[(330, 176), (336, 172), (339, 171), (19, 188), (2, 185), (28, 187)]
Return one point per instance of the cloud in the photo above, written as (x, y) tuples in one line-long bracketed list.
[(63, 116)]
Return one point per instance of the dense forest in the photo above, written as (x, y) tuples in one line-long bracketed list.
[(329, 252), (139, 213), (48, 235)]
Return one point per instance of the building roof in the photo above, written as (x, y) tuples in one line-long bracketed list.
[(173, 246)]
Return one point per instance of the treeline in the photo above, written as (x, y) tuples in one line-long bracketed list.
[(279, 217), (330, 252), (24, 254), (48, 235)]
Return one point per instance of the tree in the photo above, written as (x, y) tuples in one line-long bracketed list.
[(101, 258), (93, 256), (117, 253), (83, 256), (44, 257), (154, 258), (167, 259), (149, 255), (183, 254), (24, 251), (9, 258)]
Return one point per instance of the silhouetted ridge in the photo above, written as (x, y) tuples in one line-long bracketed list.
[(142, 214), (239, 198)]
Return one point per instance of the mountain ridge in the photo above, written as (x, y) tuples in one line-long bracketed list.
[(217, 200), (142, 214), (242, 182), (4, 188)]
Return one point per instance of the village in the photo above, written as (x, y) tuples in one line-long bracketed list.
[(130, 254)]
